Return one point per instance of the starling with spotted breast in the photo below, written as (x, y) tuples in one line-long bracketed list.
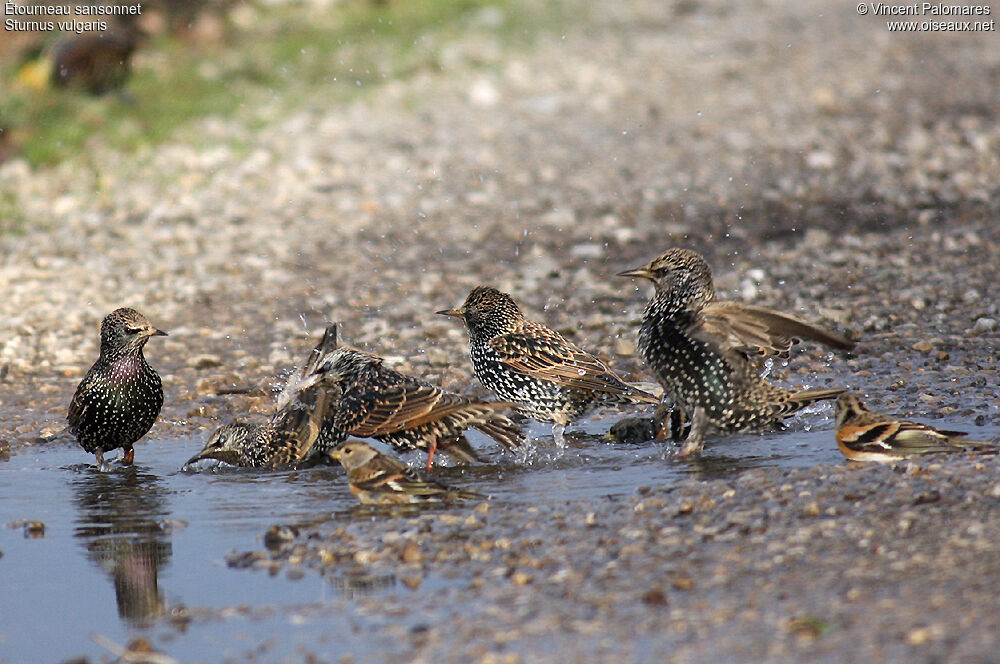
[(705, 352), (548, 378), (378, 479), (406, 412), (120, 397), (865, 435)]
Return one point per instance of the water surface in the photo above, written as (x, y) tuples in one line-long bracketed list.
[(141, 550)]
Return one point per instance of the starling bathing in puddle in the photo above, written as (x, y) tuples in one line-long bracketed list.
[(548, 378), (864, 435), (378, 479), (666, 422), (705, 352), (120, 397), (288, 437), (311, 371), (406, 412)]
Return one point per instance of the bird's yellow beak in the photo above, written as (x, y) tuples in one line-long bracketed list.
[(335, 454), (642, 272)]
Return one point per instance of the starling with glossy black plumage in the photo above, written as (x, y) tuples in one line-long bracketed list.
[(120, 397), (865, 435), (706, 352), (288, 437), (407, 412), (378, 479), (531, 365)]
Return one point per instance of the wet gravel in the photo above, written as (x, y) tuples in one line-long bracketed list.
[(892, 563), (822, 164)]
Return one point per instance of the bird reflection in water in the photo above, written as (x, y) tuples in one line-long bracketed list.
[(120, 524)]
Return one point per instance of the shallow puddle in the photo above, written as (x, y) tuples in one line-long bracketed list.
[(141, 550)]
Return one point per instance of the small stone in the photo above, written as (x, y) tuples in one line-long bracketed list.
[(246, 560), (654, 597), (34, 529), (820, 160), (278, 537), (204, 362), (923, 346), (984, 325), (812, 509), (681, 580), (522, 578), (412, 553)]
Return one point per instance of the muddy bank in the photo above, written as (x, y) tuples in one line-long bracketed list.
[(892, 563)]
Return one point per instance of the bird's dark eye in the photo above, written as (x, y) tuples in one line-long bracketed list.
[(133, 330), (221, 440)]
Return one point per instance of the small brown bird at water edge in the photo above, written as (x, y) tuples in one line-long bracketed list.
[(120, 396), (705, 352), (375, 478), (531, 365), (865, 435)]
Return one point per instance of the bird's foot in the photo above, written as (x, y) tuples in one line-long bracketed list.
[(102, 465), (557, 434), (690, 449), (128, 457), (430, 456)]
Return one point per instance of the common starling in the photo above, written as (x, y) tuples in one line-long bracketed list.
[(288, 437), (864, 435), (548, 378), (406, 412), (636, 430), (378, 479), (120, 397), (706, 352), (95, 62)]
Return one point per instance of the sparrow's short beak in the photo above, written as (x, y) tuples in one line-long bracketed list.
[(335, 454), (457, 313)]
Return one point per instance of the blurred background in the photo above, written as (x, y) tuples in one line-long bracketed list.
[(174, 60)]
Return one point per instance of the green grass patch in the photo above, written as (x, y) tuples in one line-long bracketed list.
[(283, 55)]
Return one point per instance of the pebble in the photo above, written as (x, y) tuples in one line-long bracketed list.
[(984, 325)]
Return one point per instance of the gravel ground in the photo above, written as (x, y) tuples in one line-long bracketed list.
[(822, 164)]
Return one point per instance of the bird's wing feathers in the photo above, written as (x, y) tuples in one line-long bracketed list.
[(387, 474), (296, 427), (888, 436), (550, 357), (396, 408), (738, 327)]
